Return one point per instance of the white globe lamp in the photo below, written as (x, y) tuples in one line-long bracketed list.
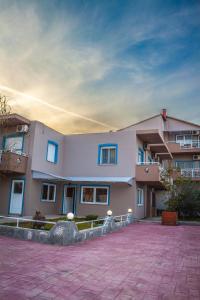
[(70, 216), (109, 213)]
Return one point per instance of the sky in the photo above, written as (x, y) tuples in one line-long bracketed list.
[(92, 66)]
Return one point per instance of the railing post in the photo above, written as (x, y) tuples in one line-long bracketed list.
[(17, 222), (92, 224)]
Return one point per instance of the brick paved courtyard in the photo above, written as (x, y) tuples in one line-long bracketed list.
[(142, 261)]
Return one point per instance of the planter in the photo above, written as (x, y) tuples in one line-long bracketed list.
[(169, 218)]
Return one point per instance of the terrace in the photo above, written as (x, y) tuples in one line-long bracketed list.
[(12, 162), (141, 261)]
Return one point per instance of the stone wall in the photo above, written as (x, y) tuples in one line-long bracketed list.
[(64, 233)]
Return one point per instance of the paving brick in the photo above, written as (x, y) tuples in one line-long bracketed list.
[(141, 261)]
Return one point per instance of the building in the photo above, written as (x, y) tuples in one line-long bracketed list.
[(42, 169)]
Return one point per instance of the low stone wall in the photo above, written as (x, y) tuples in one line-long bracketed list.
[(64, 233)]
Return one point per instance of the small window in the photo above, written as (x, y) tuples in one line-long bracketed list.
[(49, 192), (18, 187), (52, 152), (107, 154), (87, 195), (102, 195), (94, 195), (140, 197)]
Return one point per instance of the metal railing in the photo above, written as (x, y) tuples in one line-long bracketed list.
[(189, 172), (24, 220), (120, 218), (2, 151), (140, 163), (187, 144), (93, 223)]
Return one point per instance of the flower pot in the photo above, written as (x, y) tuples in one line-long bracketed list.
[(169, 218)]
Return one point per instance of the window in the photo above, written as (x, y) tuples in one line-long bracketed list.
[(18, 187), (140, 197), (107, 154), (188, 140), (48, 192), (140, 156), (52, 152), (95, 195), (13, 143)]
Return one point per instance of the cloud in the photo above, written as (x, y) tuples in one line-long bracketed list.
[(86, 62)]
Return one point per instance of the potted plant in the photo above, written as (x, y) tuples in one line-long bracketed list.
[(169, 218)]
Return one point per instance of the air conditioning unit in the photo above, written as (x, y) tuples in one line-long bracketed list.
[(196, 157), (22, 128)]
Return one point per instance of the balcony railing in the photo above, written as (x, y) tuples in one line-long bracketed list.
[(149, 172), (186, 144), (189, 172), (12, 162)]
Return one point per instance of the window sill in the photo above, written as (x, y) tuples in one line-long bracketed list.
[(52, 162), (49, 201), (107, 165), (94, 203), (140, 205)]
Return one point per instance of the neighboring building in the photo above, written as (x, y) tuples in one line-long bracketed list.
[(91, 173)]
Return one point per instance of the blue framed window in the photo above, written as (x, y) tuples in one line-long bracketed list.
[(140, 156), (52, 152), (48, 192), (108, 154), (140, 197), (95, 194)]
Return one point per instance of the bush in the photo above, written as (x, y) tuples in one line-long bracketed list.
[(185, 198), (39, 217), (91, 217)]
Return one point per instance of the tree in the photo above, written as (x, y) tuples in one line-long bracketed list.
[(5, 110), (184, 197)]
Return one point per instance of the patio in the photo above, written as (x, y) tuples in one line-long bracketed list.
[(141, 261)]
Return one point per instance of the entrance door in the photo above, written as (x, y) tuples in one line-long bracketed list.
[(16, 198), (68, 200)]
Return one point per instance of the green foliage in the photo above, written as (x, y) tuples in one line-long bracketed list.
[(184, 197), (91, 217), (38, 217)]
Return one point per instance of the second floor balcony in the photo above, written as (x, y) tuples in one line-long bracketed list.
[(190, 173), (12, 162), (151, 173), (189, 146)]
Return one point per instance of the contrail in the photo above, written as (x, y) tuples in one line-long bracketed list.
[(10, 90)]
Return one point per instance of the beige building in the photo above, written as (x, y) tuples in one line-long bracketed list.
[(42, 169)]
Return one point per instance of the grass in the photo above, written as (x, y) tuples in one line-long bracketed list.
[(47, 227)]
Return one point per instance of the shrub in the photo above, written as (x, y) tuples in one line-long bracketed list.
[(39, 217), (184, 198), (91, 217)]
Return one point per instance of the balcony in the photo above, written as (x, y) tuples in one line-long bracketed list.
[(186, 147), (12, 163), (192, 173), (150, 173)]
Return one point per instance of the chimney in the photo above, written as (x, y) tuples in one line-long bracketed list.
[(164, 114)]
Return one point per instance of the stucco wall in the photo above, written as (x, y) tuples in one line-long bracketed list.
[(122, 197), (40, 139), (33, 199), (81, 155), (176, 125), (152, 123)]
